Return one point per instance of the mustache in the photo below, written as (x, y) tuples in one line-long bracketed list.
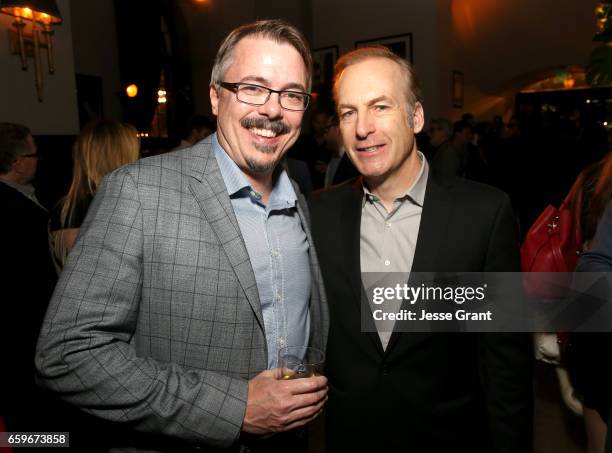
[(276, 126)]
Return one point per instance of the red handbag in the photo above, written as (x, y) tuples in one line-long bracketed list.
[(552, 244)]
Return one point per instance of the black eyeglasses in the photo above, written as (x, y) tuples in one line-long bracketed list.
[(252, 94)]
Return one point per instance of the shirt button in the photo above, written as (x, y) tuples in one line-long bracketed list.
[(275, 252), (278, 296), (388, 224), (387, 263)]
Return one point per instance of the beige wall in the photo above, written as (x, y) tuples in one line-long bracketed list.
[(497, 42), (343, 22), (57, 114), (493, 42)]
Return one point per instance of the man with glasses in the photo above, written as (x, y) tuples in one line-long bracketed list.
[(27, 275), (194, 268)]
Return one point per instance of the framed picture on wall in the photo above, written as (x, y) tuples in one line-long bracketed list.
[(399, 44), (457, 89), (324, 60)]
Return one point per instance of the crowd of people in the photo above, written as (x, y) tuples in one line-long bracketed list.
[(155, 297)]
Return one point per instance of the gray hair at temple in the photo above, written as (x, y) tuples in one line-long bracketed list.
[(276, 30), (411, 84), (13, 143)]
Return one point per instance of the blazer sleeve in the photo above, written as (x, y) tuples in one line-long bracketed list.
[(85, 353), (506, 358)]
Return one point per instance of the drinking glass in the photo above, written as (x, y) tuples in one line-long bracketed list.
[(300, 362)]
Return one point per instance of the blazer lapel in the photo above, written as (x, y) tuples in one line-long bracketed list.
[(351, 223), (319, 316), (211, 195), (435, 222)]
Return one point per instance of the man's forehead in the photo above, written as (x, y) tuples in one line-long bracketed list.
[(254, 54), (360, 80)]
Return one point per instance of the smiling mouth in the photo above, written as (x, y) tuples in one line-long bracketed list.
[(267, 133), (369, 149)]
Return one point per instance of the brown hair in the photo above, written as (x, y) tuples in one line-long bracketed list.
[(590, 193), (101, 147), (276, 30), (412, 87)]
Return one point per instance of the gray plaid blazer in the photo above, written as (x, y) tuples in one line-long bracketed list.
[(156, 319)]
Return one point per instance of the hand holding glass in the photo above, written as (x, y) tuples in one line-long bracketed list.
[(298, 362)]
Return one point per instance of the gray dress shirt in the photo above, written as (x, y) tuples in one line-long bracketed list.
[(388, 241)]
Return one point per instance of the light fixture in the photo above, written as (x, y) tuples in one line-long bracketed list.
[(42, 14), (131, 90)]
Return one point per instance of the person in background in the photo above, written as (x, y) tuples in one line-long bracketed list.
[(452, 160), (310, 147), (340, 168), (101, 147), (28, 279), (588, 361), (200, 126), (440, 132)]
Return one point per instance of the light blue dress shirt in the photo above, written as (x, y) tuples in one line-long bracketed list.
[(278, 250)]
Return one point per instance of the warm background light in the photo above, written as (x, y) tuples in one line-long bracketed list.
[(131, 90)]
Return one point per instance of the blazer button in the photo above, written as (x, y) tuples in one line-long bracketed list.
[(385, 370)]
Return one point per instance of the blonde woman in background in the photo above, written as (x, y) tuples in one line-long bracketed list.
[(101, 147)]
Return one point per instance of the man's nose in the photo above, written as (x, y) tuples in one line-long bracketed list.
[(364, 125), (272, 107)]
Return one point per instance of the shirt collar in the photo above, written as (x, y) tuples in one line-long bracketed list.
[(416, 192), (282, 195)]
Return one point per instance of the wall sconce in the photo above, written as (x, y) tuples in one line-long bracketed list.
[(42, 14)]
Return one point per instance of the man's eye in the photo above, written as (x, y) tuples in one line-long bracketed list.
[(251, 89), (346, 115), (381, 108)]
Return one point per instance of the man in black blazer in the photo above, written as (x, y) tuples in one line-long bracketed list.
[(28, 279), (413, 392)]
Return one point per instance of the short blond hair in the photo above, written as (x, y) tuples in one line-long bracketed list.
[(411, 84)]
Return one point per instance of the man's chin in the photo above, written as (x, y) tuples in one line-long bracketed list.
[(266, 149), (261, 168)]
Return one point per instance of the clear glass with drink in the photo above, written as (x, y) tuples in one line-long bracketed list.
[(298, 362)]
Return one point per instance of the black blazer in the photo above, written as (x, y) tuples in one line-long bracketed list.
[(428, 392)]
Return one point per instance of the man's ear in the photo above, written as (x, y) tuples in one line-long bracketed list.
[(418, 118), (214, 99)]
